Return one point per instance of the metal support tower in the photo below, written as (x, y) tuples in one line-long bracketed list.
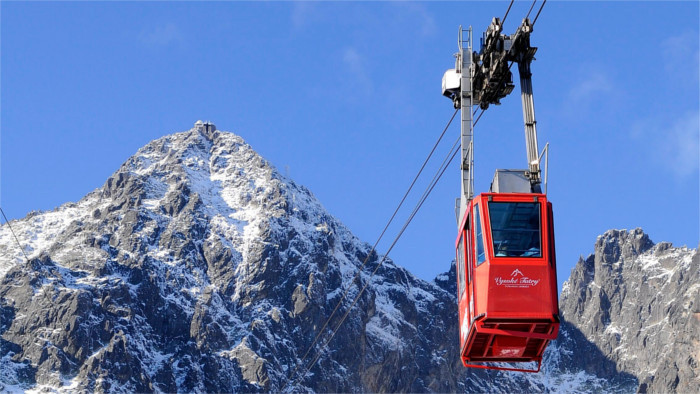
[(465, 67), (484, 78)]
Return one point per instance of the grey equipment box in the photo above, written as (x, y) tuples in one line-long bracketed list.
[(512, 181)]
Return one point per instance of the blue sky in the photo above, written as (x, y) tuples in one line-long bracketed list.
[(345, 98)]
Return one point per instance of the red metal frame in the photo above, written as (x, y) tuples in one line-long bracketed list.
[(499, 368), (508, 308)]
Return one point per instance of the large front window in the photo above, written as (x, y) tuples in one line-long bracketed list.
[(515, 229)]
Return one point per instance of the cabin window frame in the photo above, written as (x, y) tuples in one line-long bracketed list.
[(497, 229), (480, 249)]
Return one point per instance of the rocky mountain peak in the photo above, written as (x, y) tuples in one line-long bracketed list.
[(198, 267), (621, 245), (634, 294)]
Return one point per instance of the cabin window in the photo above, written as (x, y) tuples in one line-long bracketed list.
[(515, 229), (460, 265), (480, 255)]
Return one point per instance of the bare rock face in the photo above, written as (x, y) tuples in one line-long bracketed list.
[(638, 302), (197, 267)]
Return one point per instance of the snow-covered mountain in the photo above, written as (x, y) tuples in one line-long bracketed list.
[(640, 304), (198, 267)]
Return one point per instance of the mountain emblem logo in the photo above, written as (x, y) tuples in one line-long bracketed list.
[(517, 280)]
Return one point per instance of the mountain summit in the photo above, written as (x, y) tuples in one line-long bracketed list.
[(197, 266)]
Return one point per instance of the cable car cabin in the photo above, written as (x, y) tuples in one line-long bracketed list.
[(506, 280)]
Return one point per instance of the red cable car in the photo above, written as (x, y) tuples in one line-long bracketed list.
[(506, 270), (506, 263)]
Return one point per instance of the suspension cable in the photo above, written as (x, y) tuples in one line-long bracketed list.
[(538, 12), (531, 7), (503, 21), (441, 170), (369, 280), (359, 271), (14, 235), (438, 175)]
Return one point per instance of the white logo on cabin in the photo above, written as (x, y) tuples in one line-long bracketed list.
[(517, 280)]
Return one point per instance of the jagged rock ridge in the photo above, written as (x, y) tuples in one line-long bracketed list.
[(640, 304), (198, 267)]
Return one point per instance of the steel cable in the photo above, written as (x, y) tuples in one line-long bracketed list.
[(347, 290), (14, 235), (503, 21), (369, 280), (531, 7), (436, 178), (538, 12), (438, 175)]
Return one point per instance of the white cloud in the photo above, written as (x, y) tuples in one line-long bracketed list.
[(161, 35), (424, 20), (592, 90), (303, 12), (681, 58), (356, 65), (591, 86), (679, 145)]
